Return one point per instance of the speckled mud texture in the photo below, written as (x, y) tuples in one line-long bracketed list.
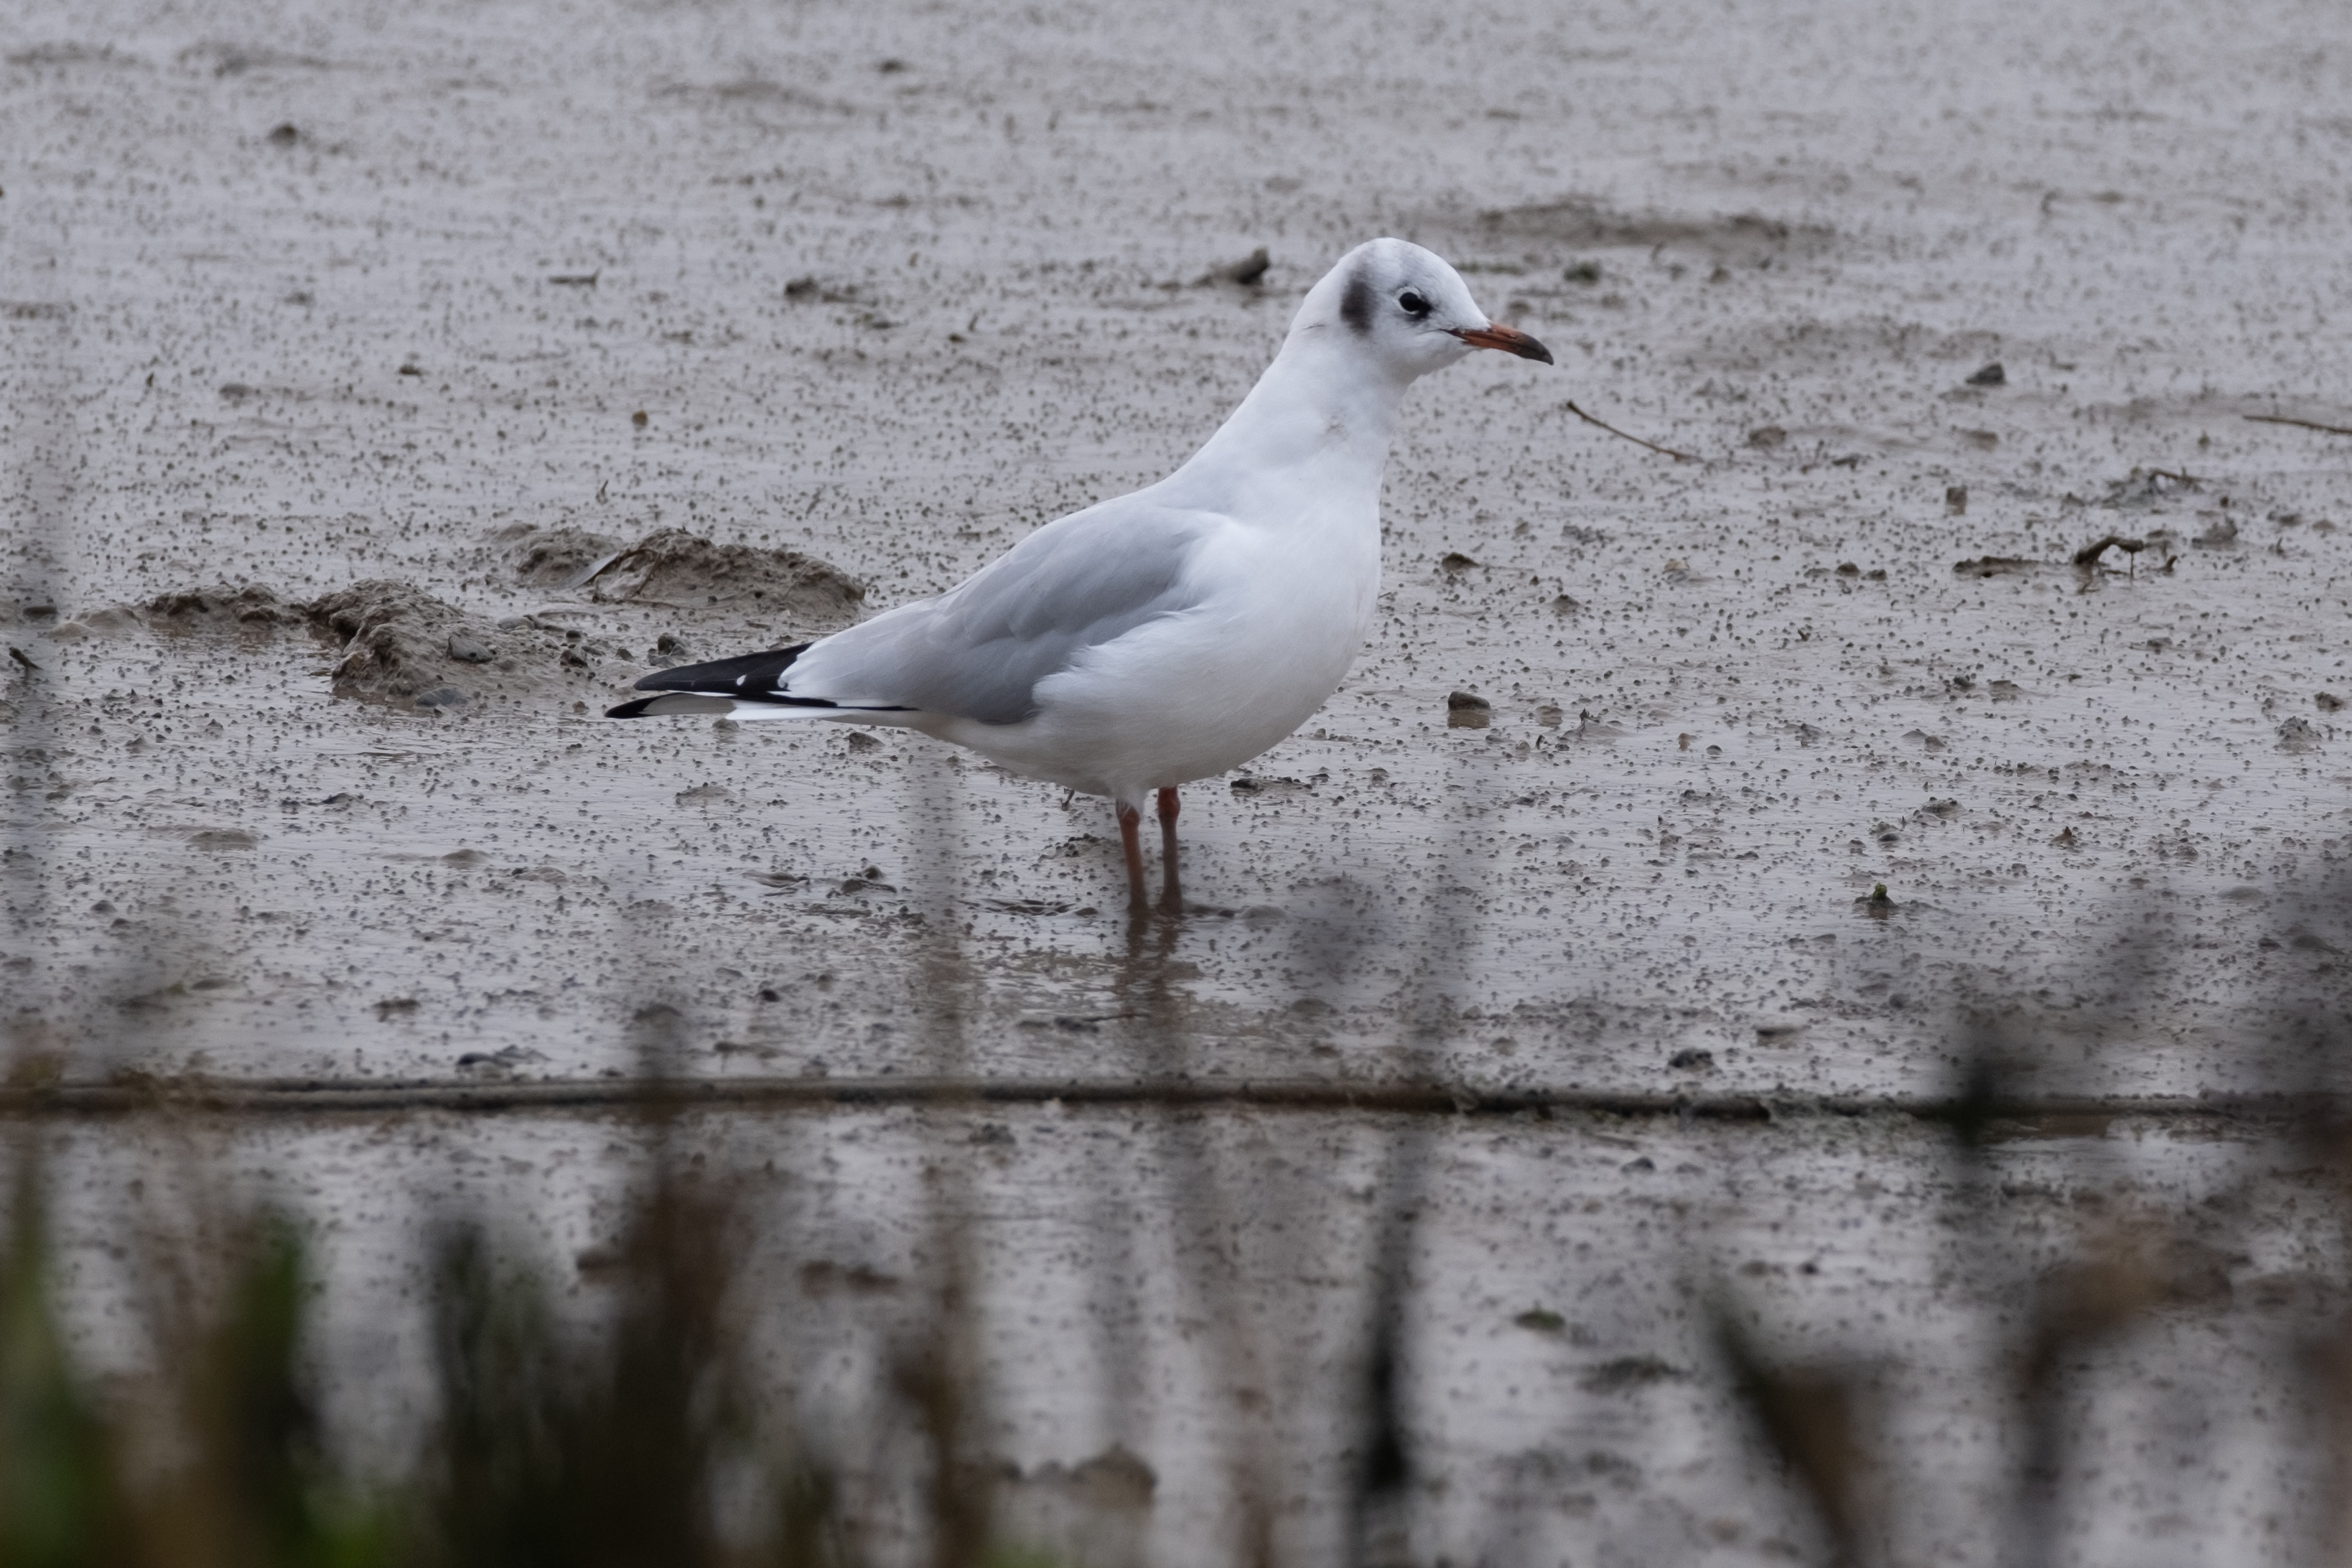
[(386, 389)]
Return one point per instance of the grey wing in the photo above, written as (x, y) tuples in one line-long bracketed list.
[(979, 650)]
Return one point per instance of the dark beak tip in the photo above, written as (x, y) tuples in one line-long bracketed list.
[(1510, 340)]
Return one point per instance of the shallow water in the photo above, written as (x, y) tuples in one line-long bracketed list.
[(2107, 804)]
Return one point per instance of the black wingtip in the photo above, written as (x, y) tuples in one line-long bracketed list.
[(631, 710), (751, 675)]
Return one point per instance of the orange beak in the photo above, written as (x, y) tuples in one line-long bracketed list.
[(1510, 340)]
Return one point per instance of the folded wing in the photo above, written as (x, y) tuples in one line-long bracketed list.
[(979, 650)]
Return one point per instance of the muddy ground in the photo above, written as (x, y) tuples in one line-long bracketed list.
[(388, 389)]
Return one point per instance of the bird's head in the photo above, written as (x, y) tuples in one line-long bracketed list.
[(1408, 309)]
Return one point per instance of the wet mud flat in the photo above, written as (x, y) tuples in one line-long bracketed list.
[(814, 292), (387, 393)]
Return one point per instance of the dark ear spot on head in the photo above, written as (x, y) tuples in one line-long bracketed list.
[(1356, 304)]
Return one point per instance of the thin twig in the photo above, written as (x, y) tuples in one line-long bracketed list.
[(1653, 445), (2301, 424)]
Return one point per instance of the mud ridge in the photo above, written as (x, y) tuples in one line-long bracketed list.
[(1585, 223), (678, 570), (405, 648)]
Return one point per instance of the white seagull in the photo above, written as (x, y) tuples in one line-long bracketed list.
[(1175, 632)]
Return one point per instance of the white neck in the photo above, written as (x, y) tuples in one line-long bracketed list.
[(1320, 418)]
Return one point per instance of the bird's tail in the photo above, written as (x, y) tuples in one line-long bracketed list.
[(751, 686)]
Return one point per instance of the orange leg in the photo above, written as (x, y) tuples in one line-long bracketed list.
[(1168, 895), (1130, 821)]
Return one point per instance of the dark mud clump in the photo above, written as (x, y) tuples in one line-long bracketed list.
[(678, 570), (194, 609), (403, 648), (216, 608), (558, 558)]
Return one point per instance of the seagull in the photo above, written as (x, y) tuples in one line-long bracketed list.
[(1175, 632)]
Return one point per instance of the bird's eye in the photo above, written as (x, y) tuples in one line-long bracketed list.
[(1412, 304)]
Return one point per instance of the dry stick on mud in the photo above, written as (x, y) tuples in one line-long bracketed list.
[(1653, 445), (2299, 424)]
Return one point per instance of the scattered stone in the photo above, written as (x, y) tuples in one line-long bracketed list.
[(1248, 272), (2327, 700), (468, 649), (1467, 711), (1765, 438), (1541, 1320), (1454, 561), (1878, 906), (1956, 499), (284, 136), (1550, 715), (1692, 1060), (2220, 534), (2297, 735), (1990, 375), (859, 740)]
